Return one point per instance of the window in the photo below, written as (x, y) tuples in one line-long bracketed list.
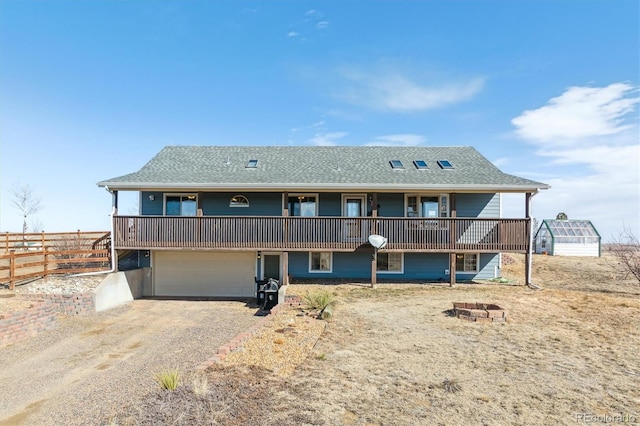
[(390, 263), (320, 262), (467, 262), (303, 205), (445, 164), (251, 164), (180, 205), (420, 164), (239, 201), (432, 206), (396, 165)]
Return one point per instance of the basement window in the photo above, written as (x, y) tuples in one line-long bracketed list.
[(396, 165)]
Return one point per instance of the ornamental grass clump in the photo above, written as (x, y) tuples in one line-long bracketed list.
[(321, 301), (168, 380)]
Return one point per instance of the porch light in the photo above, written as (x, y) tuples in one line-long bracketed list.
[(152, 197)]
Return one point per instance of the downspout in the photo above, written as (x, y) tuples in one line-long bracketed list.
[(529, 248), (113, 249)]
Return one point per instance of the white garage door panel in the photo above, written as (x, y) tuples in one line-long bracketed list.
[(204, 274)]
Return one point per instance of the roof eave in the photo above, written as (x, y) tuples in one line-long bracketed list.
[(369, 187)]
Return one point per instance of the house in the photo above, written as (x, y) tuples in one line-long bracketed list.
[(213, 219), (567, 238)]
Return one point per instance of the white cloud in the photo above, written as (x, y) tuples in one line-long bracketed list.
[(322, 25), (393, 91), (590, 151), (292, 34), (398, 140), (311, 12), (327, 139), (578, 113)]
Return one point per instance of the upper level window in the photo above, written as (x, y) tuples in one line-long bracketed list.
[(239, 201), (252, 164), (303, 205), (180, 205), (427, 205)]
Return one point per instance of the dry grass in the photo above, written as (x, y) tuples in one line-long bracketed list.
[(394, 356)]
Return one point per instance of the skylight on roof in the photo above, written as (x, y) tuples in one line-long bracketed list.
[(420, 164), (396, 165), (252, 164), (445, 164)]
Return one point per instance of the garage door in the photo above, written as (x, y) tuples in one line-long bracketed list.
[(206, 274)]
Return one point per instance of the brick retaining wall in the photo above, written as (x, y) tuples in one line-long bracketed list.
[(21, 325), (68, 304)]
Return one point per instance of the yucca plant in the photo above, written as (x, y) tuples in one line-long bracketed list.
[(322, 301), (168, 380)]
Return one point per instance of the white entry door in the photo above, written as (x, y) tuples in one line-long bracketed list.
[(354, 206)]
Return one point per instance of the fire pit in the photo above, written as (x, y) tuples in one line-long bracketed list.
[(479, 312)]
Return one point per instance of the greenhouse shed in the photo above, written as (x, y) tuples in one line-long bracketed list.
[(567, 238)]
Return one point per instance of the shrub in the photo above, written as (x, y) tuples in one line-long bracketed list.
[(626, 249), (200, 384), (168, 380), (319, 300)]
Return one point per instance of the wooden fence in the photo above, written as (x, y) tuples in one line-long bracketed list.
[(40, 255)]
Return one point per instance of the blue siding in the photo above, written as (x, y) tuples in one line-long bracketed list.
[(478, 205), (391, 205), (148, 207), (260, 204), (329, 204), (417, 266)]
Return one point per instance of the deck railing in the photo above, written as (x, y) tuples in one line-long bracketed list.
[(320, 233)]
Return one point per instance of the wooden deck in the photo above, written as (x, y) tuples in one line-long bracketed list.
[(450, 235)]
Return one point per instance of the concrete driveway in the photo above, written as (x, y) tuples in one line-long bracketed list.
[(88, 367)]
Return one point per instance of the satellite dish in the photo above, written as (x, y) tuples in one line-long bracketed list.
[(377, 241)]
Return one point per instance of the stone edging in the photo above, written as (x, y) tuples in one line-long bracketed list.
[(20, 325), (239, 340)]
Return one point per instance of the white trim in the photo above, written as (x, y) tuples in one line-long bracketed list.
[(477, 270), (318, 271), (365, 187), (401, 271), (435, 195), (180, 194), (304, 194), (240, 205), (363, 206)]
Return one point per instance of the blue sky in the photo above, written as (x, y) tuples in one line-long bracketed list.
[(547, 90)]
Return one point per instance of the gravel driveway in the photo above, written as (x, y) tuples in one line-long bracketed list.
[(86, 368)]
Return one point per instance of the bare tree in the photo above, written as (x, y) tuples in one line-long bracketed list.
[(562, 216), (626, 249), (23, 198)]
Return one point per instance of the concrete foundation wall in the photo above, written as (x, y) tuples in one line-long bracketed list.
[(139, 282), (113, 291)]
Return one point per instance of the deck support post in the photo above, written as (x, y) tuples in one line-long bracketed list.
[(374, 230), (528, 234), (452, 269)]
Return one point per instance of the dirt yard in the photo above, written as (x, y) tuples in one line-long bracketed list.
[(567, 354)]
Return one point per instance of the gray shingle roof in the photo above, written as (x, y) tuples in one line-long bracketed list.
[(317, 168)]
